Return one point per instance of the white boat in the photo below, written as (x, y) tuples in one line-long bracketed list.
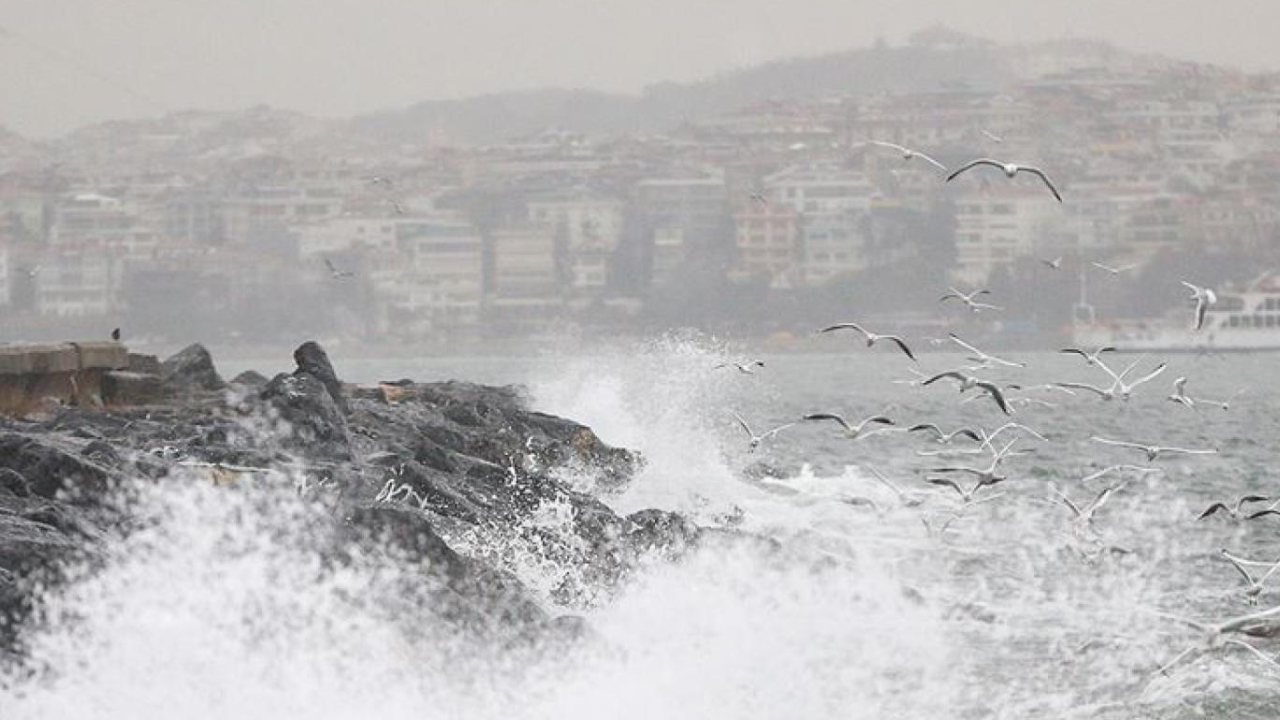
[(1240, 320)]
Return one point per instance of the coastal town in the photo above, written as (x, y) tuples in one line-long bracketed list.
[(749, 220)]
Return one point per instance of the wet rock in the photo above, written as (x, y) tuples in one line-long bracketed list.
[(190, 370), (250, 378), (312, 360), (316, 425)]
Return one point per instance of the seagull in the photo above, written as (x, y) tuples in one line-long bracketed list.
[(759, 199), (1119, 468), (986, 476), (1259, 624), (1254, 588), (967, 382), (915, 381), (1204, 297), (945, 438), (992, 137), (909, 154), (872, 338), (907, 499), (853, 432), (1118, 388), (1233, 511), (1090, 358), (983, 357), (115, 335), (1113, 270), (968, 299), (1010, 170), (1054, 264), (337, 274), (746, 368), (755, 440), (1180, 395), (1084, 515), (1152, 451)]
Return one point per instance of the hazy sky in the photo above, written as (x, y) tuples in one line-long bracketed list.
[(66, 63)]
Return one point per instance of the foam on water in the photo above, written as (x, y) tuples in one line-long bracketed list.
[(218, 605)]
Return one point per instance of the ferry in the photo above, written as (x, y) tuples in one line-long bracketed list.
[(1246, 320)]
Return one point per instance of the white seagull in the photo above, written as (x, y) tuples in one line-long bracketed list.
[(945, 438), (1119, 468), (872, 338), (1253, 587), (1054, 264), (1111, 269), (337, 274), (968, 382), (1153, 451), (853, 432), (1234, 512), (1118, 388), (983, 357), (907, 499), (746, 368), (1180, 395), (1204, 297), (1090, 358), (1011, 170), (909, 154), (755, 440), (968, 299)]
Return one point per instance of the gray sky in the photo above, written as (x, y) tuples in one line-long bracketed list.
[(71, 62)]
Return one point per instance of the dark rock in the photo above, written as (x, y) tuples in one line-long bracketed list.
[(317, 427), (12, 483), (313, 361), (660, 531), (51, 471), (250, 378), (191, 370)]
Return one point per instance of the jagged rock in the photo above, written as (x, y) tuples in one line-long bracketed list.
[(250, 378), (313, 361), (53, 472), (317, 427), (191, 369)]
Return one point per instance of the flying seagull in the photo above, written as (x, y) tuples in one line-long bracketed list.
[(1204, 297), (968, 299), (1153, 451), (1011, 170), (987, 475), (992, 137), (1084, 515), (1054, 264), (1118, 388), (907, 499), (945, 438), (983, 357), (1232, 511), (1180, 395), (746, 368), (909, 154), (1090, 358), (335, 273), (1111, 269), (1119, 468), (872, 338), (968, 382), (755, 440), (1254, 586), (853, 432)]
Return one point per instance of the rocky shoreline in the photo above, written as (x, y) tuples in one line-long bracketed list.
[(403, 469)]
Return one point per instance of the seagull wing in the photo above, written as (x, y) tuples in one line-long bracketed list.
[(1202, 308), (901, 345), (844, 326), (776, 430), (969, 433), (1083, 386), (890, 145), (996, 395), (1211, 510), (956, 339), (329, 264), (829, 416), (1047, 182), (743, 424), (945, 482), (1148, 377), (1075, 351), (954, 374), (1119, 443), (931, 161), (927, 426), (971, 165), (1247, 577), (1187, 451)]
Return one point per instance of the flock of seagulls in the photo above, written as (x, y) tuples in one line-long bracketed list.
[(972, 484)]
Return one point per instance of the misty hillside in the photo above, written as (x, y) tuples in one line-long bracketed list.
[(934, 59)]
